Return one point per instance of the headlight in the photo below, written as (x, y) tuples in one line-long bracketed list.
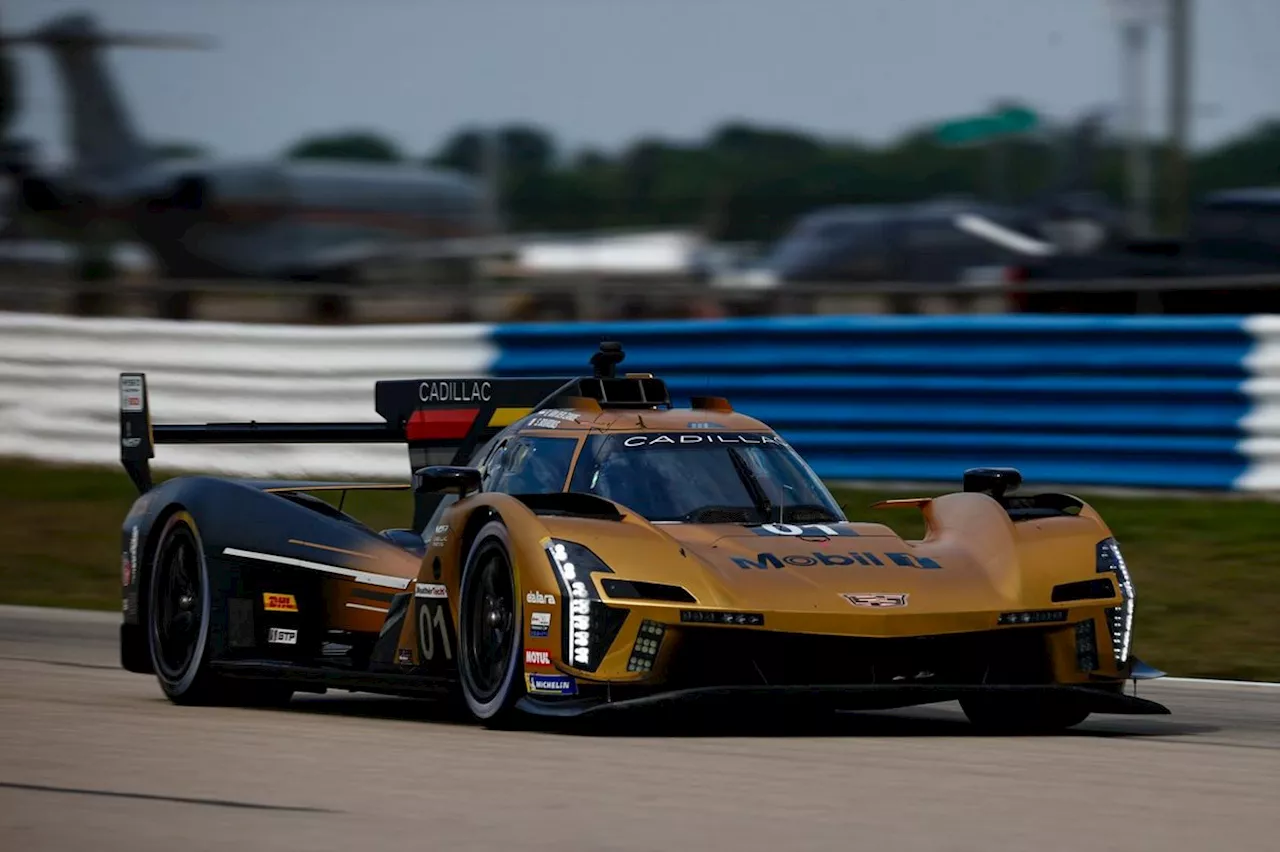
[(588, 630), (1119, 618)]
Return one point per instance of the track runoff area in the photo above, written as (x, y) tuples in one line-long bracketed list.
[(97, 758)]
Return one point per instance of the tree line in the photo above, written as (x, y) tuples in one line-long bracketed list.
[(750, 182)]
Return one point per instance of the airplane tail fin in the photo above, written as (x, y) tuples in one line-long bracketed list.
[(103, 136)]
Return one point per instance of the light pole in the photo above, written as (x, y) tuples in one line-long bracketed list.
[(1135, 18)]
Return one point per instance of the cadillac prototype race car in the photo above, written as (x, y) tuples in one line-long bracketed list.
[(581, 545)]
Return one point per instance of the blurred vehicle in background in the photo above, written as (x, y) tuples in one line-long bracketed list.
[(1231, 234)]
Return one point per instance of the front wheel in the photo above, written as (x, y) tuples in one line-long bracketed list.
[(489, 640), (1018, 714)]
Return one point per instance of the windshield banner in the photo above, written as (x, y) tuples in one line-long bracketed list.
[(683, 439)]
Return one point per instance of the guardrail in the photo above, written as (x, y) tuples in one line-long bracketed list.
[(59, 400), (1141, 402)]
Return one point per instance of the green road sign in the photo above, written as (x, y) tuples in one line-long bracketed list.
[(980, 127)]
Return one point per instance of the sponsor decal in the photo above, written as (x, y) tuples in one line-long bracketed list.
[(551, 418), (539, 624), (678, 439), (430, 590), (764, 561), (875, 599), (704, 425), (455, 391), (282, 636), (129, 561), (404, 657), (535, 657), (704, 616), (279, 603), (558, 684), (540, 598), (131, 393), (130, 443), (804, 530)]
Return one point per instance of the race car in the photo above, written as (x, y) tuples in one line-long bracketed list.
[(581, 546)]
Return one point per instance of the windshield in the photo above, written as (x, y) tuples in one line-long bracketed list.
[(704, 477)]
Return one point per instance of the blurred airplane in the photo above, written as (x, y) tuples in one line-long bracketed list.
[(305, 219)]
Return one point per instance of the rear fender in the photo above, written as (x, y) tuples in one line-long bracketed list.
[(229, 514)]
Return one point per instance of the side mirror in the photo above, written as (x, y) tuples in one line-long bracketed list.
[(995, 481), (446, 479)]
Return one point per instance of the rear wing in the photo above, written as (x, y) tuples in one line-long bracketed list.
[(442, 421)]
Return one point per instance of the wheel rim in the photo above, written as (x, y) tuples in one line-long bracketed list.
[(177, 608), (490, 623)]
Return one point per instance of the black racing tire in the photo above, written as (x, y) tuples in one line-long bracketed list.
[(490, 643), (1017, 714), (179, 602), (178, 605)]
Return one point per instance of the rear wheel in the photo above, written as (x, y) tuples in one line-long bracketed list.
[(1016, 714), (489, 640), (178, 613), (179, 603)]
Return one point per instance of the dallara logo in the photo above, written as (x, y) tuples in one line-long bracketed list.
[(875, 599), (279, 603)]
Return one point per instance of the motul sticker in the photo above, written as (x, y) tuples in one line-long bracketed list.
[(537, 658)]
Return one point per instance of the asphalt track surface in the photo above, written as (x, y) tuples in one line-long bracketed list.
[(94, 758)]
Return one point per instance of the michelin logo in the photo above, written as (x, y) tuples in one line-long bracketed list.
[(558, 684)]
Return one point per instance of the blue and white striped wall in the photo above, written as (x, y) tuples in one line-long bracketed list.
[(1163, 402), (1142, 402)]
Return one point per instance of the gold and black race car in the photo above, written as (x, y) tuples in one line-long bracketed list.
[(581, 545)]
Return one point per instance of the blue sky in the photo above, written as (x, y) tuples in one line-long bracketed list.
[(604, 72)]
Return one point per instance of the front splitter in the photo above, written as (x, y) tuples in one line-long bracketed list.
[(858, 697)]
